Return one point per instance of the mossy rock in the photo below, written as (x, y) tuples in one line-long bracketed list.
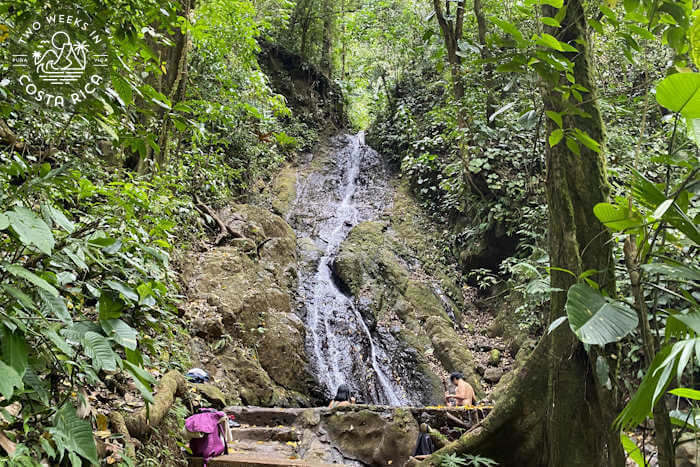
[(284, 191), (373, 438), (373, 267), (212, 394)]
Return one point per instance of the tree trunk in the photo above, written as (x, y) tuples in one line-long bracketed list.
[(452, 32), (555, 413), (172, 83), (578, 242), (328, 38), (488, 67), (662, 422)]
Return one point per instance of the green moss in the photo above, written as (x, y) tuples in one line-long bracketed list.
[(284, 191)]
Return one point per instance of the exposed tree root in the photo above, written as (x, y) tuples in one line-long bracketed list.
[(119, 426), (171, 384), (513, 433), (225, 229)]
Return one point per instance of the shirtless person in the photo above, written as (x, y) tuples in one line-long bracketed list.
[(464, 393)]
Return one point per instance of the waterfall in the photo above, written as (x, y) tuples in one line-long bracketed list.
[(340, 344)]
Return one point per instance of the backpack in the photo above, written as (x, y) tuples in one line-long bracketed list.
[(212, 442), (425, 445)]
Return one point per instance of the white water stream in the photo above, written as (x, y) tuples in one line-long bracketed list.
[(340, 344)]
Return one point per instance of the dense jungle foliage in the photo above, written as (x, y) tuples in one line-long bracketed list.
[(553, 142)]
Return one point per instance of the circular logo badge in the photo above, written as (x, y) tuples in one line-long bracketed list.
[(61, 59)]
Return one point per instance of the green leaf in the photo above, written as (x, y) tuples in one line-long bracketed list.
[(687, 393), (123, 289), (616, 217), (508, 28), (680, 93), (58, 218), (694, 38), (555, 117), (556, 137), (123, 89), (649, 195), (573, 146), (31, 230), (552, 42), (121, 332), (595, 319), (556, 323), (19, 271), (60, 343), (74, 434), (21, 297), (673, 272), (14, 351), (4, 221), (550, 22), (642, 402), (690, 320), (143, 380), (55, 306), (9, 381), (632, 449), (587, 141), (554, 3), (109, 305), (97, 347)]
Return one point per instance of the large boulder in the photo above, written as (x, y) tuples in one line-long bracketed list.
[(240, 300), (371, 437)]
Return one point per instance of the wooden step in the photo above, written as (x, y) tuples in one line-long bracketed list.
[(247, 460)]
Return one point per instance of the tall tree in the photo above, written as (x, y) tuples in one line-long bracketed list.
[(482, 29), (452, 28), (328, 37), (576, 182), (554, 407)]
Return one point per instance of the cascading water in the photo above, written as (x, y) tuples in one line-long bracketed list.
[(350, 188)]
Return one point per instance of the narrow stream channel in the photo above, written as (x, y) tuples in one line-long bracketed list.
[(349, 188)]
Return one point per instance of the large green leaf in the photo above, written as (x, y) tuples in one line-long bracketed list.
[(19, 271), (4, 221), (9, 380), (14, 350), (58, 218), (652, 386), (121, 332), (616, 217), (142, 379), (649, 195), (673, 272), (97, 347), (109, 306), (55, 306), (123, 289), (31, 230), (73, 434), (632, 449), (687, 393), (680, 92), (21, 297), (596, 319)]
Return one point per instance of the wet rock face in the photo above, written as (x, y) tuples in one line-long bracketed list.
[(345, 185), (248, 338), (407, 313)]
